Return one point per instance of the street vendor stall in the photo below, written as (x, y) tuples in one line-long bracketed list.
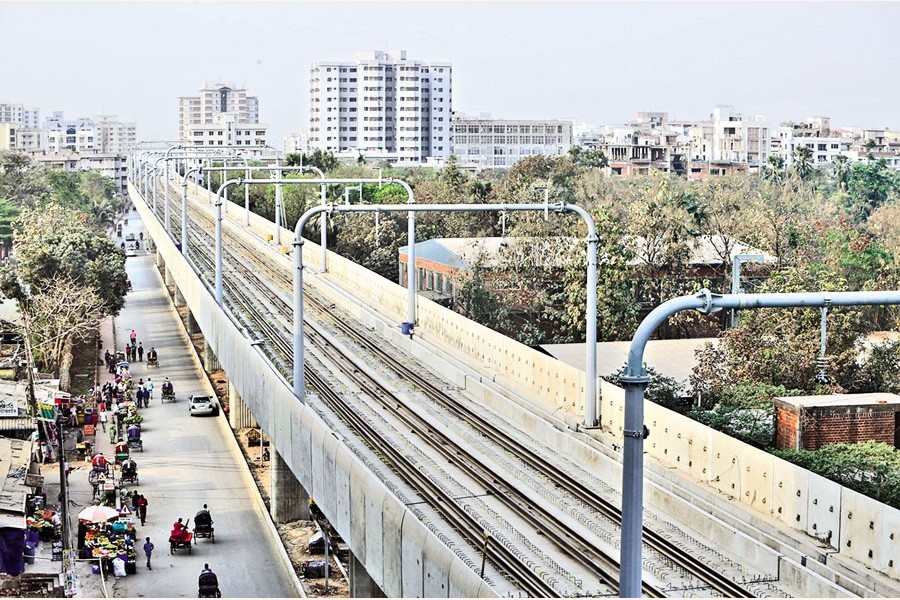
[(105, 536)]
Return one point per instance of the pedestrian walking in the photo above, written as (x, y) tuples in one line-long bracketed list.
[(142, 507), (139, 395), (103, 419), (140, 351), (134, 502), (149, 387), (133, 337), (112, 432), (127, 351), (148, 550)]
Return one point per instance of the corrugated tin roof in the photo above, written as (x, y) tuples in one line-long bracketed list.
[(462, 253), (14, 457)]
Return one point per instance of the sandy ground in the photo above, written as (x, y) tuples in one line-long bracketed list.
[(294, 535)]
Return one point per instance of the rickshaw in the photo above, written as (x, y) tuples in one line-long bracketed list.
[(129, 472), (180, 538), (168, 391), (134, 437), (152, 360), (122, 452), (203, 526)]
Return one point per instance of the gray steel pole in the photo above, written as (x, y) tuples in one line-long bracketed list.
[(636, 379), (247, 194), (278, 200)]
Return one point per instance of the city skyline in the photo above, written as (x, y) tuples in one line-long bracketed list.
[(587, 62)]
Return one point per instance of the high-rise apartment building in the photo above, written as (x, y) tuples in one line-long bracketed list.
[(382, 106), (208, 112), (19, 115)]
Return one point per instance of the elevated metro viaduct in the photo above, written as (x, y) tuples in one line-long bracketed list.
[(394, 553)]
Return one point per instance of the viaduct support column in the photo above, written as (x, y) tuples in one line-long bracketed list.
[(179, 298), (288, 500), (159, 261), (239, 416), (170, 281), (192, 325), (361, 583), (210, 361)]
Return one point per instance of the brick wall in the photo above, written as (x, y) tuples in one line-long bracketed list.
[(850, 425), (785, 430)]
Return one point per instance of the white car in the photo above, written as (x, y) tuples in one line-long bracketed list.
[(202, 404)]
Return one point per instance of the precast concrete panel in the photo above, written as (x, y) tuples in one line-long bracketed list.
[(726, 463), (392, 517), (360, 507), (302, 431), (343, 483), (887, 557), (436, 570), (756, 477), (691, 445), (790, 494), (823, 509), (328, 491), (412, 545), (612, 408), (317, 489), (863, 534)]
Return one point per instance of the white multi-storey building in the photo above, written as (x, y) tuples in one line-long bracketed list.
[(227, 129), (114, 166), (72, 135), (199, 112), (484, 142), (739, 140), (19, 114), (294, 142), (381, 106), (115, 137)]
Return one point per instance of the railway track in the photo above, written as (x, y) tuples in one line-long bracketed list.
[(569, 540)]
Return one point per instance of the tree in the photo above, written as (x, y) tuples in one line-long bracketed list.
[(325, 161), (840, 171), (591, 158), (773, 170), (60, 313), (870, 186), (803, 161), (22, 181), (58, 243)]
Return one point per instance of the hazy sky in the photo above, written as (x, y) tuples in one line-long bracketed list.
[(598, 62)]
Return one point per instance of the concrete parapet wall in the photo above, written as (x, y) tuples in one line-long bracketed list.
[(800, 500), (411, 560)]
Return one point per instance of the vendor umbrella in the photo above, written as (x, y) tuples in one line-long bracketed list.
[(98, 514), (123, 364)]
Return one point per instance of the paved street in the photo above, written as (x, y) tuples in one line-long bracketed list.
[(187, 461)]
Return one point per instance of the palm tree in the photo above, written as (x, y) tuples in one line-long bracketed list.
[(773, 170), (841, 171), (803, 161)]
